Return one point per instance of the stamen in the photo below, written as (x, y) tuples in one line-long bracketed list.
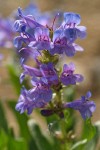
[(54, 20)]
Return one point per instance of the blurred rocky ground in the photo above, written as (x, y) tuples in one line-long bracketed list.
[(87, 62)]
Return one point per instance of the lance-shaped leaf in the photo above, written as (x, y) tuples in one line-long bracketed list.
[(14, 78), (89, 130), (92, 144), (42, 142), (24, 130), (3, 121), (3, 140)]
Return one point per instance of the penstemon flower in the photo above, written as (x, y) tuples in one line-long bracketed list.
[(45, 44), (67, 76), (72, 30), (84, 106)]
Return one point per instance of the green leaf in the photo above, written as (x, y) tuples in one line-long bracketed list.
[(3, 121), (3, 140), (89, 130), (14, 76), (78, 144), (91, 145), (17, 144), (8, 142), (69, 94), (53, 123), (41, 141), (70, 120), (22, 122)]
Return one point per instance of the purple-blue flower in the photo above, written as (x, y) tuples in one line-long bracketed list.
[(42, 39), (25, 26), (25, 102), (68, 77), (84, 106), (29, 20), (61, 44), (41, 91), (48, 71), (71, 18), (37, 97), (71, 30), (31, 71), (24, 38)]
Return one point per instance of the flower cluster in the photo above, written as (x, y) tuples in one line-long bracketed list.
[(44, 43), (7, 33)]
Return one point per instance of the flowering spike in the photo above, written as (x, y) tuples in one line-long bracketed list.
[(44, 44)]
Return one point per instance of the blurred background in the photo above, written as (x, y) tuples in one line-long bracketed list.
[(87, 62)]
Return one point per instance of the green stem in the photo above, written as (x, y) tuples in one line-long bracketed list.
[(51, 105)]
